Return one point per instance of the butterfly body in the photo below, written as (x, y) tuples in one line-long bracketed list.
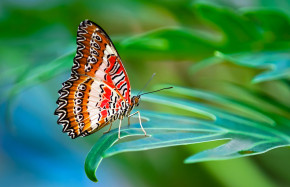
[(98, 91)]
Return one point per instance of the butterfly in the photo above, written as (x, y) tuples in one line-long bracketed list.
[(98, 91)]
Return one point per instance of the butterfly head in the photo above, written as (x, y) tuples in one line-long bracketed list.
[(135, 100)]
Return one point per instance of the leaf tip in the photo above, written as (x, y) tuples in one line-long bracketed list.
[(91, 174), (218, 54), (190, 160)]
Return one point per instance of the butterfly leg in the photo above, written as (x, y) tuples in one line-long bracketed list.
[(139, 121), (109, 129), (128, 121), (119, 133)]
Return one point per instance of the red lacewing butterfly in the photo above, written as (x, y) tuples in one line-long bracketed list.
[(98, 91)]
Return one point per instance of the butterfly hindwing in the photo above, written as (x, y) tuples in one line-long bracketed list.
[(86, 105)]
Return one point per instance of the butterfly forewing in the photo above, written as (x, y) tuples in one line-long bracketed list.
[(98, 87), (97, 57)]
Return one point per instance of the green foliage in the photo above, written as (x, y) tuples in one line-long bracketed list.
[(277, 63), (260, 44), (246, 136), (40, 74), (248, 108), (249, 33)]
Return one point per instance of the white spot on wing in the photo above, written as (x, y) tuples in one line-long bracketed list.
[(110, 50)]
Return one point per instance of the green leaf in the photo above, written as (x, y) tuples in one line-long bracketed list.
[(250, 29), (277, 63), (236, 107), (93, 162), (275, 24), (41, 73), (246, 137), (257, 38), (235, 28), (167, 43)]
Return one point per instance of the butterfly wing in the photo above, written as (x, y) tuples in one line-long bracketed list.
[(97, 57), (98, 87)]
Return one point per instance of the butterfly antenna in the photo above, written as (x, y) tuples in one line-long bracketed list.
[(147, 83), (157, 90)]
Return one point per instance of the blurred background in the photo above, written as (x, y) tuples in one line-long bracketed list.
[(166, 37)]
